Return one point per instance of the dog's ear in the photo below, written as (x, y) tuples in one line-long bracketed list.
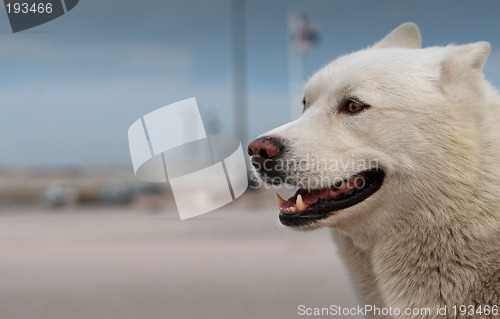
[(406, 35), (464, 60)]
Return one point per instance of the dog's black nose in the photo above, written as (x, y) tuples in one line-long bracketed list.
[(266, 147)]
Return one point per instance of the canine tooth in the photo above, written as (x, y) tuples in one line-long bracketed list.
[(280, 200), (300, 205), (332, 193)]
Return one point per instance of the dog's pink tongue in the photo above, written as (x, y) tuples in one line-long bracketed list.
[(312, 197), (303, 199)]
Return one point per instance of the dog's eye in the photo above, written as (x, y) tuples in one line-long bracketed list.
[(354, 107)]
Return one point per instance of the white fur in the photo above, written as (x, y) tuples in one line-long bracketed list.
[(430, 235)]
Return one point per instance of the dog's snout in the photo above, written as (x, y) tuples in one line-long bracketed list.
[(266, 147)]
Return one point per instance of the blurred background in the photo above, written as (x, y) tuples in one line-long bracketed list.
[(81, 237)]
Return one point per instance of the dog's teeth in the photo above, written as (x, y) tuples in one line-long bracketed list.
[(332, 194), (300, 205), (280, 200)]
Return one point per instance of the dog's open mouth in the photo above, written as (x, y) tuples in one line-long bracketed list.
[(307, 206)]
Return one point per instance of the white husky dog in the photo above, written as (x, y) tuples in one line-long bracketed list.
[(398, 152)]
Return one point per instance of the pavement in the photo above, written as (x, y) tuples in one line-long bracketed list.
[(137, 262)]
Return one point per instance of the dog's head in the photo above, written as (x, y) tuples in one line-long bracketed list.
[(378, 129)]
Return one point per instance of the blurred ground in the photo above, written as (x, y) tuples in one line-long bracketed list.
[(133, 262)]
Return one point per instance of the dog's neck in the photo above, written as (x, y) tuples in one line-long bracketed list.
[(438, 263), (434, 258)]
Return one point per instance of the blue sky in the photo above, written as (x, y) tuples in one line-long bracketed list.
[(70, 88)]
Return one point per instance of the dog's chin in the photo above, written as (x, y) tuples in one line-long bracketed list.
[(310, 209)]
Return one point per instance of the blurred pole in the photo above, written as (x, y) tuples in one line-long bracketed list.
[(239, 70), (295, 82), (302, 36)]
